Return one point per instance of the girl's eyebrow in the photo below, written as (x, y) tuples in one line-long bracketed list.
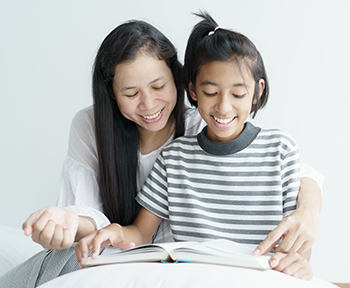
[(134, 87), (207, 82)]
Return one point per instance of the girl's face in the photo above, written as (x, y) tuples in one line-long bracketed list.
[(224, 94), (145, 91)]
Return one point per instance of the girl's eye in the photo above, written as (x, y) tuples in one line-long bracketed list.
[(238, 96), (159, 88), (209, 94), (130, 96)]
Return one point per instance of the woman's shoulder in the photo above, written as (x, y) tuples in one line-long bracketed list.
[(193, 122), (83, 126), (85, 115)]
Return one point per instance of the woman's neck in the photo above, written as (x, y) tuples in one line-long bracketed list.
[(152, 140)]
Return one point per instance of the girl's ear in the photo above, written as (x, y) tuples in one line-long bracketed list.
[(261, 87), (192, 90)]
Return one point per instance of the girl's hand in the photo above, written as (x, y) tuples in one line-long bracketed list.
[(52, 227), (298, 232), (110, 235), (292, 264)]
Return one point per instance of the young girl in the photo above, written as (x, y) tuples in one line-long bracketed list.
[(233, 180)]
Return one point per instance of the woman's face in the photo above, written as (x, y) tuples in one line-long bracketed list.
[(145, 91)]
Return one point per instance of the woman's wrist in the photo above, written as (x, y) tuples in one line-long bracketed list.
[(85, 227)]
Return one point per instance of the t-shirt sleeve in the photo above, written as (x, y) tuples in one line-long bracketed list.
[(290, 175), (310, 172), (154, 193)]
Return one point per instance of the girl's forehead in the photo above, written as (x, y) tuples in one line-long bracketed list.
[(233, 68)]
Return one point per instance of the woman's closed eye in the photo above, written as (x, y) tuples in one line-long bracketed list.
[(159, 88), (239, 96), (130, 96)]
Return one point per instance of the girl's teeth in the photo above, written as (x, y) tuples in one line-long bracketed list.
[(223, 121), (152, 116)]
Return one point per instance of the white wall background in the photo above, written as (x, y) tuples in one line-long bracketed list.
[(46, 54)]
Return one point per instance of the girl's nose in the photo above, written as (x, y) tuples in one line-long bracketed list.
[(223, 105)]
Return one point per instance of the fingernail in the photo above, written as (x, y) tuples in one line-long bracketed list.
[(94, 255), (273, 263), (256, 252)]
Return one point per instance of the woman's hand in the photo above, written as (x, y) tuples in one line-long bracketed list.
[(298, 233), (52, 227), (292, 264), (110, 235)]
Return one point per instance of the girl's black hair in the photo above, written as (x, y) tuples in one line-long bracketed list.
[(117, 138), (205, 46)]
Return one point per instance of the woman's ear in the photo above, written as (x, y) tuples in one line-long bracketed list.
[(261, 87), (192, 90)]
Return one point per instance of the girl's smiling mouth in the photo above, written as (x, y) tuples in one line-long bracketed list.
[(224, 120)]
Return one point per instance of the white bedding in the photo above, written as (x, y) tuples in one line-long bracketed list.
[(15, 248), (178, 275)]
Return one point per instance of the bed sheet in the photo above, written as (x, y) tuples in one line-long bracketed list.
[(178, 275)]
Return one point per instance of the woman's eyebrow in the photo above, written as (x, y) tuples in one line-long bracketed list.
[(134, 87), (157, 79), (127, 88)]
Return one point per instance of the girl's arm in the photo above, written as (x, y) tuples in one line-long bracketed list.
[(140, 232), (299, 230)]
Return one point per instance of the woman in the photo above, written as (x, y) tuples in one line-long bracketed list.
[(138, 108)]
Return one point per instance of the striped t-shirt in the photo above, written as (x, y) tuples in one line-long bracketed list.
[(238, 190)]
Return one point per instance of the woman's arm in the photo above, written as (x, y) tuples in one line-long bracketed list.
[(81, 212), (299, 230)]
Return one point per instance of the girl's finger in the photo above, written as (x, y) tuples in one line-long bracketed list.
[(270, 241)]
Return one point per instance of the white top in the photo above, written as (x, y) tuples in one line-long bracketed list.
[(79, 191)]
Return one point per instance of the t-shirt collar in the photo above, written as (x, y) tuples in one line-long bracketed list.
[(244, 139)]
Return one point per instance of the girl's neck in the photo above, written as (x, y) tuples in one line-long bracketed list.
[(152, 140)]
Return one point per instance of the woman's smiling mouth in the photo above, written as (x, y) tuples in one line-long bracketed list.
[(153, 116)]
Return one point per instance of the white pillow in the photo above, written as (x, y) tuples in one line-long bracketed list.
[(15, 248)]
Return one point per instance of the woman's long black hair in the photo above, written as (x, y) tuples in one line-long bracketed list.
[(117, 138)]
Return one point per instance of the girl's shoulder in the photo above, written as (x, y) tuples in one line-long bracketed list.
[(193, 122), (276, 138)]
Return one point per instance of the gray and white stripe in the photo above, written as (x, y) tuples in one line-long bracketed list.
[(240, 196)]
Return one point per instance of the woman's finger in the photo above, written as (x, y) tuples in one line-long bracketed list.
[(44, 236), (39, 225), (27, 226), (57, 238), (67, 239)]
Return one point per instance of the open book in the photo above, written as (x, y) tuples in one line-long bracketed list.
[(221, 252)]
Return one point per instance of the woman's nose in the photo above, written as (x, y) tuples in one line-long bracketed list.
[(146, 100)]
